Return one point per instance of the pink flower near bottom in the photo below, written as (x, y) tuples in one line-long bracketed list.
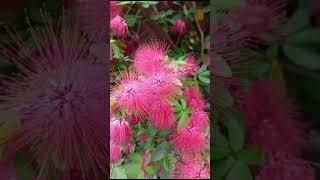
[(161, 114), (191, 169), (199, 119), (115, 153), (120, 131), (188, 141), (194, 98)]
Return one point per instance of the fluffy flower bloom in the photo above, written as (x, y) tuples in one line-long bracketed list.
[(60, 100), (93, 16), (194, 98), (178, 27), (132, 95), (161, 114), (119, 27), (191, 169), (133, 119), (120, 131), (115, 153), (199, 119), (150, 57), (270, 119), (115, 10), (162, 83), (188, 141), (285, 167), (189, 68)]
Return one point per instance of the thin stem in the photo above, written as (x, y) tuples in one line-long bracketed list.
[(200, 31)]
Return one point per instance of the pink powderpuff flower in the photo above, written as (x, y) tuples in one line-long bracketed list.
[(270, 119), (115, 10), (119, 27), (150, 57), (132, 96), (115, 153), (142, 137), (179, 27), (133, 119), (188, 141), (93, 15), (59, 98), (162, 83), (194, 98), (199, 119), (285, 167), (189, 68), (161, 114), (191, 169), (120, 131)]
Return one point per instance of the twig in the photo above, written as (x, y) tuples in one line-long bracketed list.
[(200, 31)]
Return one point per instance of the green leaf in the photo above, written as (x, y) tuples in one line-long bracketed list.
[(133, 170), (147, 4), (161, 15), (158, 154), (239, 171), (204, 79), (118, 173), (183, 103), (150, 170), (252, 156), (235, 132), (188, 110), (202, 69), (299, 20), (220, 148), (136, 157), (303, 57), (222, 167), (228, 4), (258, 68), (310, 35), (131, 20), (184, 120), (23, 168), (205, 73), (220, 152)]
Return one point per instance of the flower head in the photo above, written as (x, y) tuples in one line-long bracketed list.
[(120, 131), (199, 119), (188, 141), (161, 114), (190, 66), (150, 57), (191, 169), (115, 153), (119, 27), (115, 10), (194, 98), (178, 27)]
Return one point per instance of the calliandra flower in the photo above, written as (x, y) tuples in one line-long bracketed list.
[(270, 119), (120, 131), (115, 10), (163, 83), (194, 98), (161, 114), (150, 57), (192, 169), (142, 137), (132, 96), (285, 167), (119, 27), (59, 97), (133, 119), (199, 119), (189, 68), (93, 16), (179, 27), (115, 153), (188, 141), (261, 18)]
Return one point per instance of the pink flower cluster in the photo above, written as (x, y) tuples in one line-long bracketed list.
[(118, 24), (144, 92)]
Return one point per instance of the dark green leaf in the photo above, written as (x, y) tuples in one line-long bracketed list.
[(118, 173), (310, 35), (303, 57), (299, 20), (184, 120), (235, 132), (131, 20), (252, 156), (239, 171), (228, 4), (222, 167)]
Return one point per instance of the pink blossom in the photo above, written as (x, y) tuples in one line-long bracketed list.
[(270, 119), (191, 169), (199, 119), (119, 27), (194, 98), (189, 68), (115, 153), (150, 57), (60, 99), (142, 137), (120, 131), (178, 27), (115, 10), (134, 119), (188, 141), (161, 114)]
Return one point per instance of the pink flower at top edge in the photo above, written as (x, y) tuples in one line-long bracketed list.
[(115, 10), (188, 141), (199, 119), (161, 114), (119, 27), (120, 131), (194, 98), (150, 57), (115, 153), (179, 27), (191, 169)]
